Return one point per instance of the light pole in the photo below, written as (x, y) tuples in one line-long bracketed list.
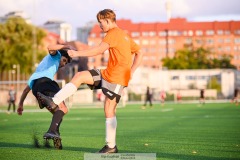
[(10, 77), (17, 66), (13, 72)]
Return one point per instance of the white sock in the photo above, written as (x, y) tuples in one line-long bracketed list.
[(68, 90), (111, 127)]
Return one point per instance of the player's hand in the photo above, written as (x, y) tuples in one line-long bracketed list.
[(20, 110), (72, 48), (72, 53)]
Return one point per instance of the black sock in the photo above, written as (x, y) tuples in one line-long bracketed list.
[(58, 131), (56, 120)]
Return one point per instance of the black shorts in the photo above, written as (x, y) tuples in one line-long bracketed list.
[(110, 90), (45, 86)]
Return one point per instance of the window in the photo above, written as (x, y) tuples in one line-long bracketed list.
[(171, 50), (162, 33), (152, 42), (190, 77), (175, 78), (220, 32), (135, 34), (210, 41), (188, 40), (185, 33), (173, 33), (202, 77), (145, 34), (190, 33), (171, 41), (152, 50), (145, 42), (237, 40), (236, 48), (209, 32), (227, 40), (227, 48), (227, 32), (237, 31), (152, 34), (162, 42), (199, 33)]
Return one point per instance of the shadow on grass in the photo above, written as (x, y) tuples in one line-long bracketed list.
[(15, 145), (31, 146), (94, 150)]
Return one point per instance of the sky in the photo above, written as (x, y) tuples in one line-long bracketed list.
[(79, 12)]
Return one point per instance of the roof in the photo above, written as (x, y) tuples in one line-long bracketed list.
[(173, 24)]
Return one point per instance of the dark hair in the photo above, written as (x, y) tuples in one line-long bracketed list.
[(65, 54)]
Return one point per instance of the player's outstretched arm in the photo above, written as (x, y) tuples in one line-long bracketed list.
[(23, 97), (89, 52), (52, 48), (59, 46)]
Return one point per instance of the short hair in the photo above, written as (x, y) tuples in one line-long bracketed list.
[(64, 53), (106, 14)]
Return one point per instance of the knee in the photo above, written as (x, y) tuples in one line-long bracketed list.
[(110, 113), (110, 109), (63, 109)]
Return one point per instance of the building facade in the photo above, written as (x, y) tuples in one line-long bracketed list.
[(15, 14), (83, 32), (59, 27), (185, 80), (159, 40)]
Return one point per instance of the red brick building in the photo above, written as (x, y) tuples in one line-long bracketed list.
[(161, 39)]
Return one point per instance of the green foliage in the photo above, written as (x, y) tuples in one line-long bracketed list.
[(214, 84), (16, 39), (199, 58), (134, 97), (169, 97)]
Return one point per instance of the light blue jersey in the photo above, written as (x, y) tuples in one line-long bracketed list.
[(47, 68)]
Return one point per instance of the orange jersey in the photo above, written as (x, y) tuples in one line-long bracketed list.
[(121, 48)]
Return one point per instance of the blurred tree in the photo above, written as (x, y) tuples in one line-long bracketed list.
[(214, 84), (199, 58), (16, 39)]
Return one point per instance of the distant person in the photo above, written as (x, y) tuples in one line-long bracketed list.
[(202, 97), (235, 97), (42, 80), (12, 95), (162, 97), (148, 98), (179, 97)]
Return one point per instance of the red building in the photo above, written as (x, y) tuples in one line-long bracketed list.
[(159, 39)]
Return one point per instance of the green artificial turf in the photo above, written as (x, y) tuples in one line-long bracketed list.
[(172, 131)]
